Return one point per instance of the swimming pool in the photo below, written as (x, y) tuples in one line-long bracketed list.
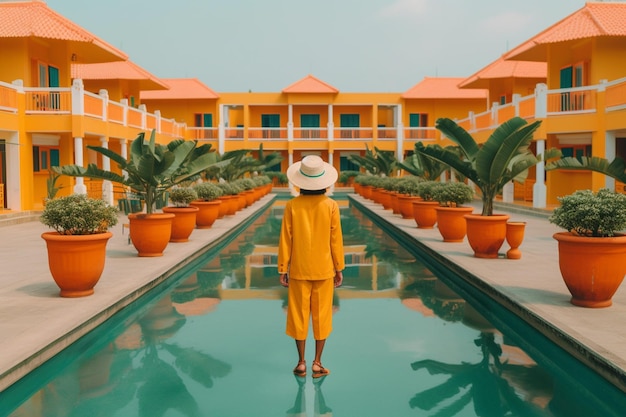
[(212, 342)]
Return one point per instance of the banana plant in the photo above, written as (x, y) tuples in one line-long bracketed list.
[(381, 163), (151, 168), (503, 158), (422, 166)]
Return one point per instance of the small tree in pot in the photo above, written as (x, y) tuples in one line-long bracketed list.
[(184, 220), (77, 248), (451, 212), (592, 253), (208, 203)]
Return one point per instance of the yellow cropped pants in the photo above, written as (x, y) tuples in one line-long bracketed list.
[(310, 301)]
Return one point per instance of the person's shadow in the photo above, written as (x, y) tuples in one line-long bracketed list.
[(319, 404)]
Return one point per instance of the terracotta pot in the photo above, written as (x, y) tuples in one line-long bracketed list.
[(592, 267), (451, 222), (514, 237), (250, 197), (405, 203), (150, 233), (385, 199), (183, 223), (76, 261), (486, 234), (425, 214), (395, 203), (231, 203), (366, 191), (209, 212)]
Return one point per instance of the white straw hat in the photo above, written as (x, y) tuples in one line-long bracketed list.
[(312, 173)]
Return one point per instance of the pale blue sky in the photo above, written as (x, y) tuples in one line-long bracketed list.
[(354, 45)]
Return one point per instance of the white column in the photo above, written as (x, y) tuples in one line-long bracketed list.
[(330, 124), (541, 101), (610, 152), (80, 187), (399, 132), (508, 192), (13, 183), (221, 128), (540, 192), (78, 98), (290, 123), (291, 188), (105, 104), (107, 187)]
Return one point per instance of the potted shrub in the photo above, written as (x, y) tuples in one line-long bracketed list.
[(184, 220), (592, 252), (407, 189), (503, 158), (424, 210), (77, 247), (208, 203), (150, 170), (451, 211)]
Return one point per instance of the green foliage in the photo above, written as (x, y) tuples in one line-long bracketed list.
[(246, 183), (229, 188), (426, 189), (587, 213), (344, 176), (409, 185), (51, 185), (280, 177), (615, 169), (377, 162), (504, 157), (422, 166), (152, 168), (207, 191), (453, 194), (182, 196), (78, 214)]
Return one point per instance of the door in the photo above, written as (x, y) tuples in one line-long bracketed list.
[(348, 121), (310, 124), (270, 124)]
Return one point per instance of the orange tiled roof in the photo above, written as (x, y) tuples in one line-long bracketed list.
[(500, 69), (34, 19), (119, 70), (443, 88), (593, 20), (310, 84), (181, 89)]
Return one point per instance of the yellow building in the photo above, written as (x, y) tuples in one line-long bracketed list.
[(61, 89)]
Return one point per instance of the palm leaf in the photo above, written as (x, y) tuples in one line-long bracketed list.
[(450, 158), (458, 135), (615, 169)]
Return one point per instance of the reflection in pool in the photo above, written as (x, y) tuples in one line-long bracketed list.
[(404, 344)]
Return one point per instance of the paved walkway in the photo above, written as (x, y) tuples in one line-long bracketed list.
[(35, 323)]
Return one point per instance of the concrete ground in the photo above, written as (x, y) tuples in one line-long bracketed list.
[(35, 323)]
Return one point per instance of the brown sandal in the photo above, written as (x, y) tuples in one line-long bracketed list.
[(300, 372), (320, 372)]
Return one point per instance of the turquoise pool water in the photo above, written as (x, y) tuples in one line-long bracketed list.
[(212, 343)]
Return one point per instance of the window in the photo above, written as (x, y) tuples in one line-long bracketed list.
[(417, 120), (345, 164), (310, 124), (45, 157), (272, 123), (204, 120), (348, 121), (569, 77)]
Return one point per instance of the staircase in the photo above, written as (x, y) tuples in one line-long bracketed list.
[(9, 218)]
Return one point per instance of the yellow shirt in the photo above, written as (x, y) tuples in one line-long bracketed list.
[(311, 242)]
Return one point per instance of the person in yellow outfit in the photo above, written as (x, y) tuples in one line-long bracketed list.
[(310, 257)]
